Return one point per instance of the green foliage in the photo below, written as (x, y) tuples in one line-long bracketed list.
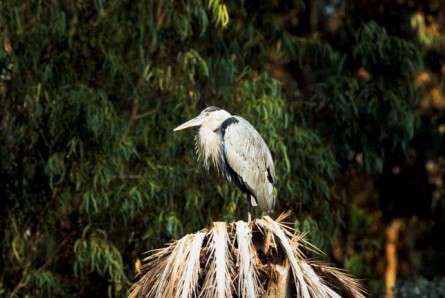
[(310, 228), (356, 264), (220, 14), (43, 283), (365, 113), (95, 254)]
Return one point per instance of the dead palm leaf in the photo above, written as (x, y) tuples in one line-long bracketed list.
[(262, 258)]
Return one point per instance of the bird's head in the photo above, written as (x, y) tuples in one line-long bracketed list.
[(210, 117)]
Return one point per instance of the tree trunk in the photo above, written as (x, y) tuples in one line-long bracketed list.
[(392, 234), (278, 286)]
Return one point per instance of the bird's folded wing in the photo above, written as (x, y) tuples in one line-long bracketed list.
[(248, 155)]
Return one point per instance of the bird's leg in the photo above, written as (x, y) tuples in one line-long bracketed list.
[(249, 206)]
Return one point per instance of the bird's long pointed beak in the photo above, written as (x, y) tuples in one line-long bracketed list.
[(193, 122)]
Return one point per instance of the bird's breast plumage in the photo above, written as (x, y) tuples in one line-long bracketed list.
[(208, 146)]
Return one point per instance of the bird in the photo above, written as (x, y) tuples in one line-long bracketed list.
[(237, 151)]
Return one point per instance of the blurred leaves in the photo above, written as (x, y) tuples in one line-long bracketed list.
[(94, 254), (420, 288)]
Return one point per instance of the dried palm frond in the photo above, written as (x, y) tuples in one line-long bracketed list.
[(248, 282), (339, 279), (188, 281), (262, 258), (218, 282), (292, 253)]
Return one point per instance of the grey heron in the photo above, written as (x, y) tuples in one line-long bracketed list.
[(237, 151)]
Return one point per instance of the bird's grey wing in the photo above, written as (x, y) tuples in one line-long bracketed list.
[(248, 155)]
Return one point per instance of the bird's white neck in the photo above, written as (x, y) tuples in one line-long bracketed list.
[(208, 146), (209, 141)]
